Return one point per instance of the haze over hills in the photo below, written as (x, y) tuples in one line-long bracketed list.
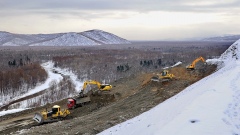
[(223, 38), (86, 38)]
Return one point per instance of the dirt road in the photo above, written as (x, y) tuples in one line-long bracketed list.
[(133, 96)]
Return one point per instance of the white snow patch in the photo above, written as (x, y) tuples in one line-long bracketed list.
[(11, 111)]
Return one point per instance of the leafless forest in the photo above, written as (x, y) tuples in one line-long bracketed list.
[(21, 70)]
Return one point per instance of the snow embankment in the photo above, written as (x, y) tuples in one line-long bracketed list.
[(176, 64), (211, 106), (11, 111)]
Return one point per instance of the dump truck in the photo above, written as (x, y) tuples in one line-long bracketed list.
[(72, 103)]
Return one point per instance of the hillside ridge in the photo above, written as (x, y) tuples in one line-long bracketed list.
[(86, 38)]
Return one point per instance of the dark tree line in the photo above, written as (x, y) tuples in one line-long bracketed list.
[(20, 63), (122, 68), (21, 79)]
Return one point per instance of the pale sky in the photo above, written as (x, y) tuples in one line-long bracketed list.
[(130, 19)]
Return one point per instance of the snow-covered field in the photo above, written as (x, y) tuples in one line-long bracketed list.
[(209, 107)]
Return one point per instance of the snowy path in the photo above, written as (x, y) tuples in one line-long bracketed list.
[(208, 107)]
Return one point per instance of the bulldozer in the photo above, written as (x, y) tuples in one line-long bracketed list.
[(51, 116), (193, 64), (164, 76), (101, 87)]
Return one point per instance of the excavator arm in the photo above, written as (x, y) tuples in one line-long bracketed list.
[(91, 82), (193, 64), (99, 85)]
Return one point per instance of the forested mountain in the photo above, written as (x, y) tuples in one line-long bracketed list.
[(86, 38)]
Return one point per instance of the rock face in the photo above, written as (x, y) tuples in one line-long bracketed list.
[(86, 38)]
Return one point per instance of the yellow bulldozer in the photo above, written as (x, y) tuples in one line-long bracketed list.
[(51, 116), (163, 76), (193, 64)]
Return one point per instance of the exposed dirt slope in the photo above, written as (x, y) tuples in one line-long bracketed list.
[(133, 96)]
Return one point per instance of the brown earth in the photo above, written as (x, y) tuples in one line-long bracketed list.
[(133, 96)]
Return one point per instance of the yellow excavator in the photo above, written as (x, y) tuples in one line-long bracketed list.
[(101, 87), (193, 64), (163, 76), (51, 116)]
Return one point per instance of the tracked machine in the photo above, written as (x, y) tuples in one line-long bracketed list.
[(164, 76), (51, 116), (101, 87), (193, 64)]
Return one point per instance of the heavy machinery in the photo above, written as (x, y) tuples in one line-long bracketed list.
[(50, 116), (78, 101), (163, 76), (101, 87), (193, 64)]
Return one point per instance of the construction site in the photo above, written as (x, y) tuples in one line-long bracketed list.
[(123, 99)]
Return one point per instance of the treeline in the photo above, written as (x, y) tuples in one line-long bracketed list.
[(19, 80), (109, 63)]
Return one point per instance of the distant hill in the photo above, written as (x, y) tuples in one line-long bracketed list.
[(223, 38), (86, 38)]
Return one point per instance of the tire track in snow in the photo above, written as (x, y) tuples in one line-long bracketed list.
[(232, 111)]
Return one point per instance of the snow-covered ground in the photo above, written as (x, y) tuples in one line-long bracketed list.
[(211, 106), (11, 111), (176, 64)]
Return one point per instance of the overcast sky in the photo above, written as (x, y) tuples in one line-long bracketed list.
[(130, 19)]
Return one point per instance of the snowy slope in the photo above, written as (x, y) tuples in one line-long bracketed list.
[(68, 39), (104, 37), (92, 37), (209, 107)]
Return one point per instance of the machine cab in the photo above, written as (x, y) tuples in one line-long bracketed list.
[(70, 103), (105, 87), (55, 110), (164, 73)]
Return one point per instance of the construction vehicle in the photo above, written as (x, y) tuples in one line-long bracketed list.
[(101, 87), (51, 116), (163, 76), (78, 101), (193, 64)]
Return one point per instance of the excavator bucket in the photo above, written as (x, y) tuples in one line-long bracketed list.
[(38, 118)]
